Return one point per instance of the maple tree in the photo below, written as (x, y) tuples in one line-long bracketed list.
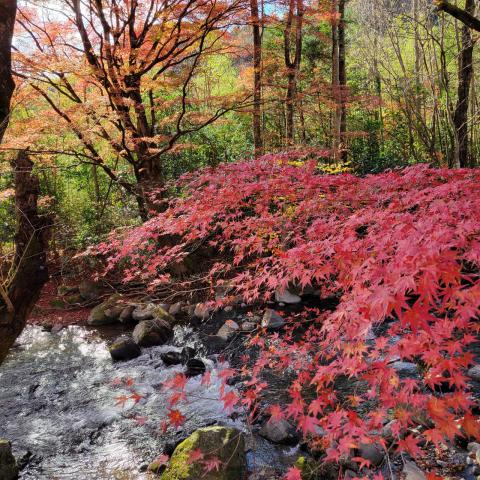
[(121, 78), (400, 253)]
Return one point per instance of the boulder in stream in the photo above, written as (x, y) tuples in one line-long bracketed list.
[(228, 330), (8, 464), (106, 313), (126, 314), (194, 367), (171, 358), (151, 311), (226, 444), (124, 348), (151, 333), (279, 431)]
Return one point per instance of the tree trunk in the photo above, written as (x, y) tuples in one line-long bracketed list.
[(339, 82), (257, 79), (292, 65), (29, 269), (8, 10), (342, 79), (149, 188), (461, 156)]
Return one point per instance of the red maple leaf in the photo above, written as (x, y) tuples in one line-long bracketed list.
[(195, 456), (176, 418), (211, 464)]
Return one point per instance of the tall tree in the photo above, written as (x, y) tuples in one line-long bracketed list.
[(294, 21), (21, 287), (461, 157), (257, 77), (339, 79), (8, 10)]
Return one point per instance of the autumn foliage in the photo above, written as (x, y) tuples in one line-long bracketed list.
[(400, 254)]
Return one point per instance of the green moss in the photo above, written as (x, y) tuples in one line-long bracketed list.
[(227, 444)]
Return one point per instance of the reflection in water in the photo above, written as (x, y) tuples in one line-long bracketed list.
[(58, 401)]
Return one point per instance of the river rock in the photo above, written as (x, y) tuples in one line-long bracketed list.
[(188, 353), (248, 326), (272, 320), (285, 296), (151, 311), (474, 373), (279, 431), (124, 348), (194, 367), (171, 358), (105, 313), (412, 472), (228, 329), (226, 444), (8, 464), (150, 333), (201, 311), (90, 290), (371, 452), (126, 314), (175, 309)]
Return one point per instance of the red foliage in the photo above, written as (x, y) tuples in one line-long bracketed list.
[(400, 251)]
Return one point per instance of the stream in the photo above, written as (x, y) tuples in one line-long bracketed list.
[(59, 405)]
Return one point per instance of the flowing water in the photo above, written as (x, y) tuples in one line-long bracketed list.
[(59, 405)]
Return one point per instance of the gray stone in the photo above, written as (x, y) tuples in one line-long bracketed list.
[(124, 348), (201, 311), (151, 311), (171, 358), (8, 464), (150, 333), (143, 312), (126, 314), (371, 452), (248, 326), (226, 444), (57, 328), (473, 446), (412, 472), (474, 373), (228, 329), (194, 367), (285, 296), (279, 431), (272, 320)]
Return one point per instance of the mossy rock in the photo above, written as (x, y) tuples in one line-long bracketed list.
[(226, 444), (314, 470), (8, 465), (105, 314), (161, 313)]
